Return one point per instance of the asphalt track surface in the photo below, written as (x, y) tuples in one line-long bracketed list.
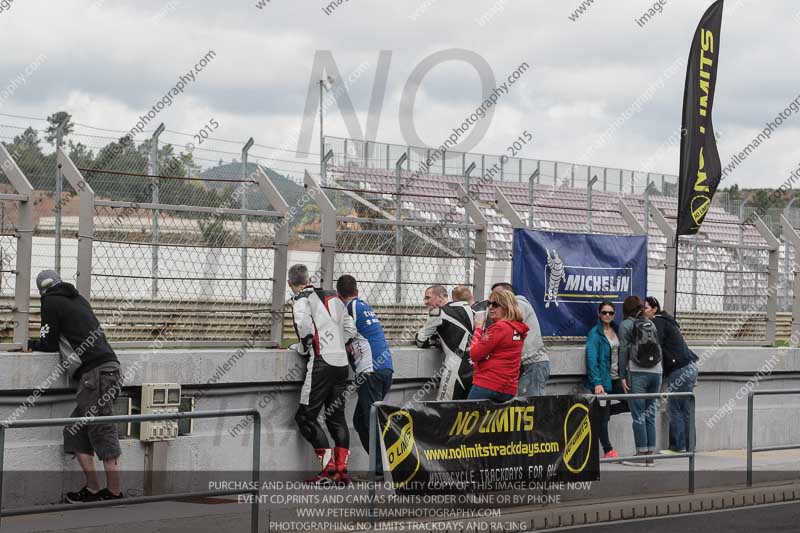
[(773, 518)]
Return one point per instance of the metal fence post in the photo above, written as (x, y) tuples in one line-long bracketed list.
[(481, 241), (59, 194), (85, 224), (773, 278), (256, 470), (532, 180), (590, 185), (791, 236), (153, 164), (398, 259), (506, 209), (692, 441), (327, 230), (750, 439), (243, 204), (630, 218), (671, 263), (467, 173), (280, 245), (22, 288)]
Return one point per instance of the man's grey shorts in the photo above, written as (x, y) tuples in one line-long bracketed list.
[(97, 390)]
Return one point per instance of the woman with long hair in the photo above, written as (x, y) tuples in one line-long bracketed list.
[(639, 378), (602, 369), (497, 352), (679, 371)]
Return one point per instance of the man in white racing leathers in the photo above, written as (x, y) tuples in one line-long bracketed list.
[(323, 327), (449, 326)]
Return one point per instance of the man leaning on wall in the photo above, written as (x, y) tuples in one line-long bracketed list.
[(70, 326)]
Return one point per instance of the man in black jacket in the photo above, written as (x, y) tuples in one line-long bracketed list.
[(69, 325)]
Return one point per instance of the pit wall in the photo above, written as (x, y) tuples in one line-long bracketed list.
[(270, 381)]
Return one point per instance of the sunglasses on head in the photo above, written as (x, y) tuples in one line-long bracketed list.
[(608, 313), (494, 305)]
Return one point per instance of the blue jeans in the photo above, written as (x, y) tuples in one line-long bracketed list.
[(532, 378), (680, 409), (481, 393), (643, 412)]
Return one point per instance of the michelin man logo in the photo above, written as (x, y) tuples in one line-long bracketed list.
[(44, 330), (556, 267)]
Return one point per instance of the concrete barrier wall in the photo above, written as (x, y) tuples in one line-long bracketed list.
[(270, 381)]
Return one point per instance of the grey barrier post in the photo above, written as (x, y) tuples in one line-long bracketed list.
[(398, 260), (243, 205), (153, 164), (481, 240), (772, 278), (327, 230), (750, 416), (22, 289), (86, 222), (671, 263), (790, 234), (280, 244)]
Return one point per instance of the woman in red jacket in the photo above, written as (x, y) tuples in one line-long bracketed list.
[(497, 352)]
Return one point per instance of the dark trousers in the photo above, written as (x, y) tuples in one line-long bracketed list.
[(608, 411), (373, 387)]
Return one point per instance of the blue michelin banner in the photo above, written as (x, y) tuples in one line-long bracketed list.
[(565, 276)]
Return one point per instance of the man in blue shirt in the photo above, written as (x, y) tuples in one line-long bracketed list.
[(370, 358)]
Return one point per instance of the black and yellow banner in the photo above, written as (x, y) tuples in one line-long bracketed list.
[(700, 168), (481, 446)]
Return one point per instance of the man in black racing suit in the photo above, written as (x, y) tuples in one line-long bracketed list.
[(449, 326), (324, 328)]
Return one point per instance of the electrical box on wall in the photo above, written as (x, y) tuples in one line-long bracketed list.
[(160, 398)]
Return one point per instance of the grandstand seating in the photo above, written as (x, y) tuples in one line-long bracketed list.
[(431, 197)]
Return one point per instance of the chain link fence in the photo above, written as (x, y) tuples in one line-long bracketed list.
[(725, 285), (397, 238)]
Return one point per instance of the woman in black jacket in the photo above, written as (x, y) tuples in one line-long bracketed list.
[(680, 373)]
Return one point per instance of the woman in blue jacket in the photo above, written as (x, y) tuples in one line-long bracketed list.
[(602, 369)]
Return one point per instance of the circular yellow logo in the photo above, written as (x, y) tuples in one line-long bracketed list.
[(577, 438)]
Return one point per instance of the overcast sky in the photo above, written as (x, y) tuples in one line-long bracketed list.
[(108, 62)]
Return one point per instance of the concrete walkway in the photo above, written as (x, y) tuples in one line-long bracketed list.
[(623, 492)]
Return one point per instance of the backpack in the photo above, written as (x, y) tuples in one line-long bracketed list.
[(645, 349)]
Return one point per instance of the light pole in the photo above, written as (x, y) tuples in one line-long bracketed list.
[(324, 84)]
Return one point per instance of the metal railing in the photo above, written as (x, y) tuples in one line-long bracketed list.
[(750, 449), (39, 509), (659, 457)]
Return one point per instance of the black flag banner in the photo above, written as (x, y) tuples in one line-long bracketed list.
[(700, 167), (482, 446)]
